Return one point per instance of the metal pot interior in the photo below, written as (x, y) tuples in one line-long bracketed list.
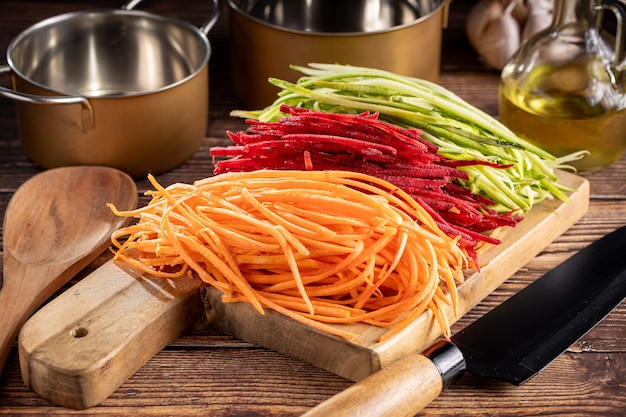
[(332, 16), (108, 53)]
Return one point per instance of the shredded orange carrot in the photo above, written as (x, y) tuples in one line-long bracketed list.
[(322, 247)]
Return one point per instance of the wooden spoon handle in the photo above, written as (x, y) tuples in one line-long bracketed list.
[(78, 349), (11, 319), (23, 292)]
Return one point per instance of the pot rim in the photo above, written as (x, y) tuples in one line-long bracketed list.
[(441, 4), (131, 15)]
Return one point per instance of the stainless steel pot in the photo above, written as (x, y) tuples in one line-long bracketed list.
[(122, 88), (267, 36)]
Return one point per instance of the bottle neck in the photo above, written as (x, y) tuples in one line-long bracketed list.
[(573, 11)]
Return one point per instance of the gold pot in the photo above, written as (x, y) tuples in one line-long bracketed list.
[(267, 36), (120, 88)]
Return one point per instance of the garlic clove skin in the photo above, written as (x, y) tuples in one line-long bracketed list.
[(521, 10), (540, 17), (543, 5), (536, 22), (500, 40), (479, 17)]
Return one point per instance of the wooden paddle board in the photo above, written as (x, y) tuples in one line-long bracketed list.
[(83, 345)]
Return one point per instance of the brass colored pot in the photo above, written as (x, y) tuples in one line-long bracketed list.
[(267, 36), (120, 88)]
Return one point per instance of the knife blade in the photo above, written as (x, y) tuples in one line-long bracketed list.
[(512, 342)]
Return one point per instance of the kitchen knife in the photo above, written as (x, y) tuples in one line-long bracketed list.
[(512, 342)]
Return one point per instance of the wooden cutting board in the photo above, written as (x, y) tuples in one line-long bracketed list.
[(83, 345)]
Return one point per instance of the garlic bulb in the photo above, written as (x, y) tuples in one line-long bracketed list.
[(484, 12), (500, 40), (497, 28), (520, 11), (540, 14)]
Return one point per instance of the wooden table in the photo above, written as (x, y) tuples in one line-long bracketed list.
[(206, 373)]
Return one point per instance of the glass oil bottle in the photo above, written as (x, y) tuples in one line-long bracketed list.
[(563, 90)]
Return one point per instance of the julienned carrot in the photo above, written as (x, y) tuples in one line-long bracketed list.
[(321, 247)]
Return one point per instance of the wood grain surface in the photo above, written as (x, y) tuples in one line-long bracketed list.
[(209, 374)]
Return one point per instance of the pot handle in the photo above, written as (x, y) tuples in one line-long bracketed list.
[(87, 116), (446, 13), (206, 27)]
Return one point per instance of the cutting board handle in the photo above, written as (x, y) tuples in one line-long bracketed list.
[(77, 350)]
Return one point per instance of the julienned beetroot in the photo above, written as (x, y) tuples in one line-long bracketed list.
[(310, 140)]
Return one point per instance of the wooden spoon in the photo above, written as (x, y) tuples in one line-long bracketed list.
[(56, 223)]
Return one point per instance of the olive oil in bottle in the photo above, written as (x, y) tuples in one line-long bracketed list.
[(563, 89), (564, 123)]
